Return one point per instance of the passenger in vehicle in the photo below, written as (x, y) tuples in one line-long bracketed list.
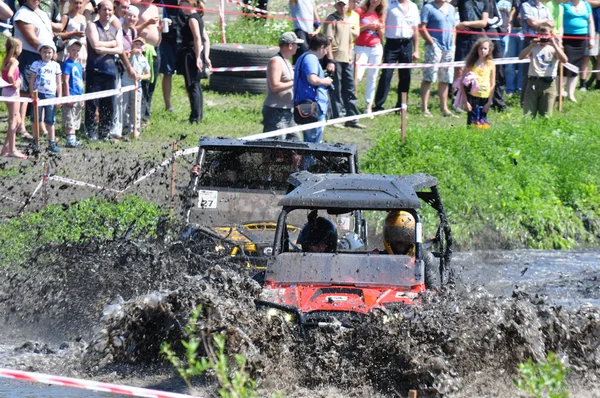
[(319, 235)]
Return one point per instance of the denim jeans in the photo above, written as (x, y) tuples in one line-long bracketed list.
[(514, 72), (316, 134)]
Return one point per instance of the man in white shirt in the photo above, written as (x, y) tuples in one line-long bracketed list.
[(401, 45)]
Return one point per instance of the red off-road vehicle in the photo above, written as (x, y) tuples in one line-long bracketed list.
[(323, 288)]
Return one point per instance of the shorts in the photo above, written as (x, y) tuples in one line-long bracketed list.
[(593, 52), (168, 58), (434, 55), (10, 91), (72, 116), (49, 110)]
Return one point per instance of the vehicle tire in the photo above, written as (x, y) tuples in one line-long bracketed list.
[(230, 55), (432, 272), (237, 85)]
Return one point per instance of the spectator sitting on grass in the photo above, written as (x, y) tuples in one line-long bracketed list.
[(45, 79), (544, 53), (72, 85), (131, 101)]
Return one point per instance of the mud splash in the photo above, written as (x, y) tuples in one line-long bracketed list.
[(124, 298)]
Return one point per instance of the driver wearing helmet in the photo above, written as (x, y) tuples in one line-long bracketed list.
[(319, 235), (399, 238)]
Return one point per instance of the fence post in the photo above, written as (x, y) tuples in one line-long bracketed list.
[(222, 20), (136, 132), (403, 110), (560, 86), (36, 123), (45, 185), (173, 179)]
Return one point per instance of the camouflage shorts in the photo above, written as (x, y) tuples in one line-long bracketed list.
[(434, 55)]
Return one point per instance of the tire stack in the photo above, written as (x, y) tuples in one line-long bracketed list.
[(232, 55)]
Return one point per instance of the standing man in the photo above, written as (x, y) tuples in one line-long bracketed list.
[(341, 34), (310, 82), (104, 42), (533, 13), (401, 45), (493, 28), (149, 27), (278, 105), (440, 17), (514, 72), (171, 41)]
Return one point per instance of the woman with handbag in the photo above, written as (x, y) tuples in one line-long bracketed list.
[(193, 57), (310, 88)]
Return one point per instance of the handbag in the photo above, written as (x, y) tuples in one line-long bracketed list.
[(306, 111)]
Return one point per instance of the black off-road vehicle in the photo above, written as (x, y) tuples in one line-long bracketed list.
[(235, 187)]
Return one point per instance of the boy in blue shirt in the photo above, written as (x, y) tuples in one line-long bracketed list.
[(72, 85)]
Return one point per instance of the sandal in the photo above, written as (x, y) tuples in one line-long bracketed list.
[(451, 115), (25, 135), (427, 114)]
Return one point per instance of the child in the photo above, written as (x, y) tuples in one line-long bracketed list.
[(45, 78), (142, 71), (10, 74), (72, 79), (541, 91), (480, 63)]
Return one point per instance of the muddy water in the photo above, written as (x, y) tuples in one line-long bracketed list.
[(505, 307)]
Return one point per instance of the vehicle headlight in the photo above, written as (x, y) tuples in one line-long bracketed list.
[(274, 312)]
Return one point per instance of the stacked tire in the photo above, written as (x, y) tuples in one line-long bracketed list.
[(233, 55)]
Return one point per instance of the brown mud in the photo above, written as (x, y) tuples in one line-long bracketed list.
[(464, 342)]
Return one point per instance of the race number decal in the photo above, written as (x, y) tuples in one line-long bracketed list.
[(207, 199)]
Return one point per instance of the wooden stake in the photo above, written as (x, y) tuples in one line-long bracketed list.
[(403, 123), (36, 123), (173, 169), (412, 394), (560, 86), (45, 184), (136, 132)]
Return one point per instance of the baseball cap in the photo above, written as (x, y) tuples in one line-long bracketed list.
[(73, 41), (289, 38), (140, 39), (47, 44), (342, 1)]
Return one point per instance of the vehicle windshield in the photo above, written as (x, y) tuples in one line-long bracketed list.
[(357, 269), (264, 168)]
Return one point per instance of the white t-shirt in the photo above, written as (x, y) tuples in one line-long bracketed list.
[(40, 22), (400, 25), (543, 61), (45, 76), (140, 65)]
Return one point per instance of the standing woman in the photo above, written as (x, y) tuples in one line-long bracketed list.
[(368, 44), (578, 25), (74, 24), (33, 27), (193, 57)]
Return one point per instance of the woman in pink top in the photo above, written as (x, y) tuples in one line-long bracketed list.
[(368, 44)]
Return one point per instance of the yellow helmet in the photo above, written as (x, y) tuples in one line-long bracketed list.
[(399, 233)]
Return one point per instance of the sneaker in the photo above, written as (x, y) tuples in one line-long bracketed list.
[(338, 126), (171, 110), (370, 113), (583, 88), (52, 147), (355, 125), (72, 142)]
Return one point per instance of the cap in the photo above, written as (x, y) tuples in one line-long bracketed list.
[(133, 10), (140, 39), (290, 38), (74, 41), (342, 1), (47, 44)]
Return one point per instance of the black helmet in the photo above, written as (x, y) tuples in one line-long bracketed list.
[(317, 231)]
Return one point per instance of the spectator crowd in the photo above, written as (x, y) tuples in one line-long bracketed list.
[(64, 48)]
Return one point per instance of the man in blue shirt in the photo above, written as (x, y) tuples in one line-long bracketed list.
[(310, 82), (440, 17)]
